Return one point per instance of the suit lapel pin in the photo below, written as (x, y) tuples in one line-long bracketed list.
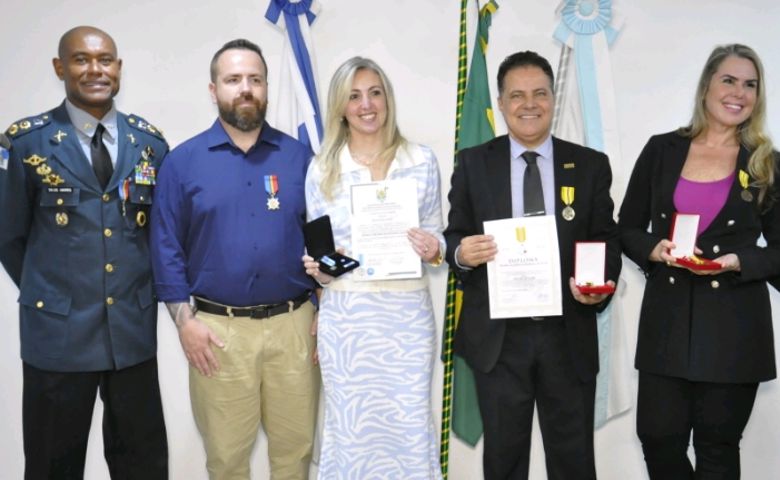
[(59, 136)]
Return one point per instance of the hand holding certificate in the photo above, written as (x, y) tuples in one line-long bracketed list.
[(524, 280), (382, 213)]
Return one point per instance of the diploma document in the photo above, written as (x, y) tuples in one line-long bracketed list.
[(382, 212), (524, 280)]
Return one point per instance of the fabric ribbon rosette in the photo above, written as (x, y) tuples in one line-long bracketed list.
[(585, 28)]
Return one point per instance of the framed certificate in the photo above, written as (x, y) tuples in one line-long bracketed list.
[(524, 280), (382, 213)]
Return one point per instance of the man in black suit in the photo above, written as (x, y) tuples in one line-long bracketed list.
[(518, 362)]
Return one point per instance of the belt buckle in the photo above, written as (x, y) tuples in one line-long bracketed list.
[(229, 311), (259, 313), (291, 306)]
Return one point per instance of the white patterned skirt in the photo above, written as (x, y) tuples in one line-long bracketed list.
[(376, 358)]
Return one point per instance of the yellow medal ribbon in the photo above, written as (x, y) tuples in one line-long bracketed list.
[(744, 179), (567, 195)]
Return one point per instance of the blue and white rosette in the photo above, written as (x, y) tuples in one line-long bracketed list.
[(585, 27)]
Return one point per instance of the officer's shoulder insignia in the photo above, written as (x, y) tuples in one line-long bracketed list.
[(26, 125), (140, 124)]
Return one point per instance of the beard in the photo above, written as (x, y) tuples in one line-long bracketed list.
[(244, 117)]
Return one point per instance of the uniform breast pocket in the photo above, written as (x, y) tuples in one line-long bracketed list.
[(140, 202), (59, 201), (141, 194), (60, 197)]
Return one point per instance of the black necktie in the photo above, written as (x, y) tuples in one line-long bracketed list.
[(101, 160), (533, 198)]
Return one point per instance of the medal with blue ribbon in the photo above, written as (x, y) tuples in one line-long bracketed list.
[(272, 188)]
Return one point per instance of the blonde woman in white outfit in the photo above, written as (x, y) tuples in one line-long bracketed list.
[(376, 339)]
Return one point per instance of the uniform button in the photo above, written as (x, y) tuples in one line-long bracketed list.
[(141, 198), (730, 223), (60, 201), (671, 280), (715, 284), (39, 304), (106, 197), (107, 232), (716, 249), (109, 268), (663, 215), (110, 300)]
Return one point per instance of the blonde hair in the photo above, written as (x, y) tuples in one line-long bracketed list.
[(337, 129), (752, 132)]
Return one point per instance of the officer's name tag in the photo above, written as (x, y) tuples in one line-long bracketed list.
[(60, 190)]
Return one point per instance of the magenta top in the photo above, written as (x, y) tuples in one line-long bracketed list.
[(703, 198)]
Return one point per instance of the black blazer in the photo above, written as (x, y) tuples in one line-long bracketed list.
[(700, 327), (481, 191)]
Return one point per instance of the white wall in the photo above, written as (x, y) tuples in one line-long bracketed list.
[(166, 47)]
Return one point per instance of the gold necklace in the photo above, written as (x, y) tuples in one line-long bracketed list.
[(365, 159)]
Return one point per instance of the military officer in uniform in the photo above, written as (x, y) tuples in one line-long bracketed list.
[(75, 195)]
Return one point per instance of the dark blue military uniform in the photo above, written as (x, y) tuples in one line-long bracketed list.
[(80, 255), (88, 318)]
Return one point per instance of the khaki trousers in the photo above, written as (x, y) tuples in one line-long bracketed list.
[(266, 377)]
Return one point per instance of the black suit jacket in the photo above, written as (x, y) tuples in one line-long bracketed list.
[(703, 328), (481, 191)]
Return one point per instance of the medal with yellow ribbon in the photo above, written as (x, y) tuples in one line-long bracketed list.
[(567, 196), (744, 180)]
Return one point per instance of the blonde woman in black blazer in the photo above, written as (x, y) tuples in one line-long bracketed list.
[(705, 338)]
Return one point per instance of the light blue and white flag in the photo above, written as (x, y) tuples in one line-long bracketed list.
[(297, 108), (585, 113)]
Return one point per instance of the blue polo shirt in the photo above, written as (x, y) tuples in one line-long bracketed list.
[(214, 232)]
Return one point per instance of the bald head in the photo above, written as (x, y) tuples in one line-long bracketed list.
[(76, 34)]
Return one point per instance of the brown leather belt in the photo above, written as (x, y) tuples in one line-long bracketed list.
[(258, 312)]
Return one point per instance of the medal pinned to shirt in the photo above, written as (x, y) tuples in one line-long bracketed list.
[(567, 196), (272, 188), (744, 180)]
